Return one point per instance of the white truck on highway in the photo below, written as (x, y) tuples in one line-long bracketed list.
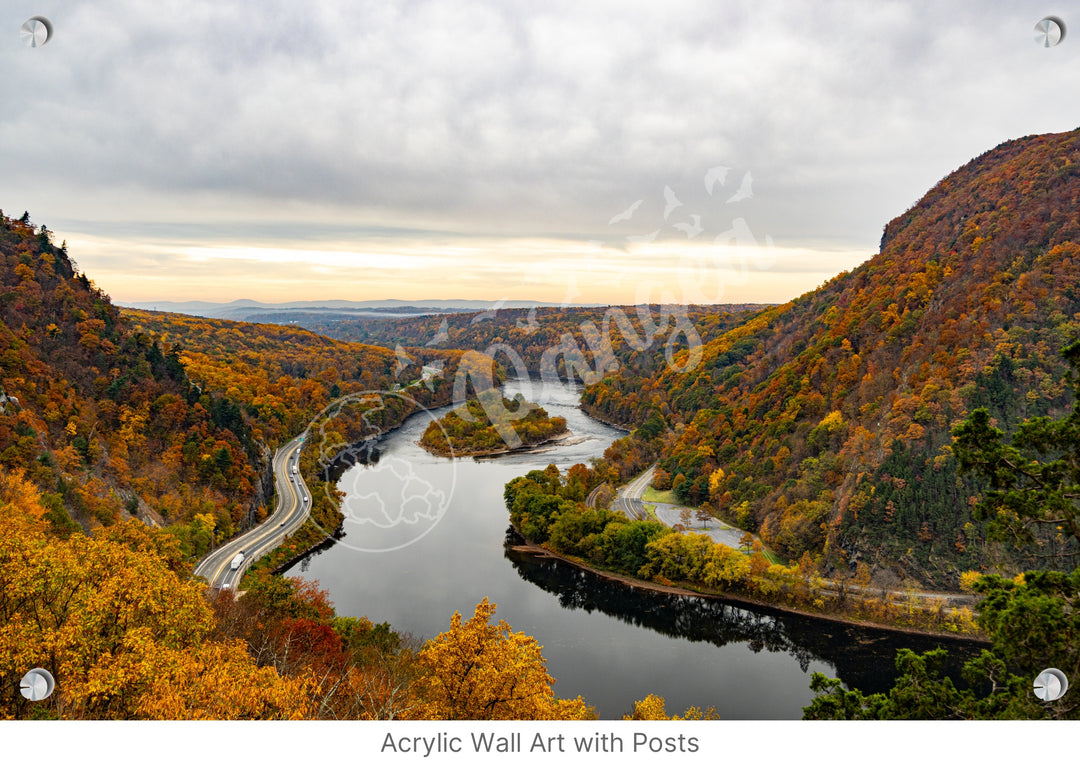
[(237, 561)]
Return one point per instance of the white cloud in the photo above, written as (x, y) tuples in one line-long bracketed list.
[(508, 119)]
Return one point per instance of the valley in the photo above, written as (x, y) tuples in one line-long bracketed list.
[(906, 427)]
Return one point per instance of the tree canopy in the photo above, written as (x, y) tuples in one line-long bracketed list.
[(480, 670), (1031, 620), (1033, 497)]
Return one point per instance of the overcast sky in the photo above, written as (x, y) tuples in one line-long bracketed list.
[(560, 151)]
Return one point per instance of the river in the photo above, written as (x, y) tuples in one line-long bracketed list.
[(426, 536)]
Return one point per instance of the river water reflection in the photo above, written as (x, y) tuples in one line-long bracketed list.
[(603, 640)]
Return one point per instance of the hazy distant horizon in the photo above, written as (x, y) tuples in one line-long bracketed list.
[(202, 308), (188, 306), (573, 152), (340, 302)]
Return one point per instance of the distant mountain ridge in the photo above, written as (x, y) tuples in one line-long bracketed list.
[(825, 422), (571, 341), (243, 309)]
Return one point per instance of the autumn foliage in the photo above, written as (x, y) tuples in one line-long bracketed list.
[(480, 670), (580, 343), (105, 418), (831, 415), (280, 375), (128, 634), (653, 708), (124, 635), (489, 423)]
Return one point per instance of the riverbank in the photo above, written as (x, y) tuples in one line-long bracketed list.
[(325, 524), (590, 412), (751, 663), (528, 547)]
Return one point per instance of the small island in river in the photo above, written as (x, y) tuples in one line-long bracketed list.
[(491, 425)]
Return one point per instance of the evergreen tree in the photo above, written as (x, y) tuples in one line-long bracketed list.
[(1034, 482)]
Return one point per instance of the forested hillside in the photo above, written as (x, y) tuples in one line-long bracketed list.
[(167, 417), (102, 417), (825, 422), (173, 419), (281, 375), (544, 340)]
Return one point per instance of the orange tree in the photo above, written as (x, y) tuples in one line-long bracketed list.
[(479, 670), (124, 634)]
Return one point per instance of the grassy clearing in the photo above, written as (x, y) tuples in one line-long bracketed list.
[(650, 508), (660, 496), (668, 496), (771, 556)]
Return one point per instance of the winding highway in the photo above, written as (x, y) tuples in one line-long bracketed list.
[(628, 498), (293, 507)]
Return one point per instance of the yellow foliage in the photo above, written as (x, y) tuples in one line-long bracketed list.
[(205, 522), (21, 512), (124, 635), (209, 681), (968, 579), (716, 482), (833, 420), (649, 709), (478, 670), (652, 709)]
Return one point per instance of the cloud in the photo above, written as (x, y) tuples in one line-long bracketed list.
[(511, 119)]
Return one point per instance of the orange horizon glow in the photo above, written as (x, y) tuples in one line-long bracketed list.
[(549, 271)]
